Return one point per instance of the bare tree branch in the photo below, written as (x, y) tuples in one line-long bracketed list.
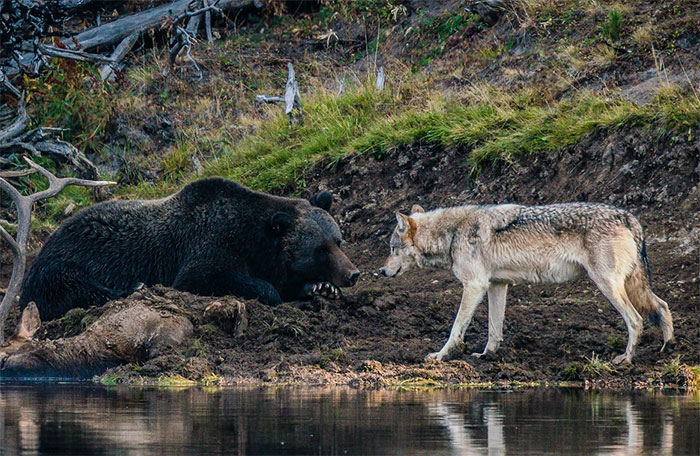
[(291, 95), (112, 32), (57, 184), (380, 78), (18, 126), (266, 99), (14, 174), (23, 204), (207, 22), (107, 71), (291, 98), (8, 84), (71, 54)]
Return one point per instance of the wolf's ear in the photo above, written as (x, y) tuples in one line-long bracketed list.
[(406, 224), (30, 322), (416, 209), (402, 222)]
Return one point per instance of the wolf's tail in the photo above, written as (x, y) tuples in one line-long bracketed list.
[(638, 288)]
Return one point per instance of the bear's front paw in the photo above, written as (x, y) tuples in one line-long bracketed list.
[(324, 289)]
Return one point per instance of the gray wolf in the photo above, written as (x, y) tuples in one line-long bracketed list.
[(214, 237), (489, 247)]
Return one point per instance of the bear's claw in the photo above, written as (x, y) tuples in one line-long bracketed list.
[(323, 289)]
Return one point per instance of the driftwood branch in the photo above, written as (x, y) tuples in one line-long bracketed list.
[(17, 127), (185, 40), (266, 99), (111, 33), (29, 55), (107, 71), (18, 244), (341, 85), (380, 78), (53, 51), (187, 37), (6, 82), (291, 99), (38, 143), (291, 94), (10, 174), (207, 22)]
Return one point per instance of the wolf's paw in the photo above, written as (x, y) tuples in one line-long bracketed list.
[(486, 354), (623, 358), (668, 345), (324, 289), (433, 357)]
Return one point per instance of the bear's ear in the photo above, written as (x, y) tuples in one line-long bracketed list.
[(324, 200), (279, 223), (416, 209)]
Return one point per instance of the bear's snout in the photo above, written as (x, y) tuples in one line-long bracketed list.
[(343, 272)]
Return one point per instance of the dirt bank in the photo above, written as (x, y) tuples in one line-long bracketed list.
[(380, 330)]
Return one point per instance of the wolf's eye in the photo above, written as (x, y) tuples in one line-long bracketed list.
[(338, 242)]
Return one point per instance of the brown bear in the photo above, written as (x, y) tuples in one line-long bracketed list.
[(214, 237)]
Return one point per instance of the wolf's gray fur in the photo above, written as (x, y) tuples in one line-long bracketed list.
[(489, 247)]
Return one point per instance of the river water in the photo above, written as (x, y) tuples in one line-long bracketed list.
[(92, 420)]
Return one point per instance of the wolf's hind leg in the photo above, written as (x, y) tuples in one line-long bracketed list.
[(497, 311), (616, 294), (471, 297), (666, 321)]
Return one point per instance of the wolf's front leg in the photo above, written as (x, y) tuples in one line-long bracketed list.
[(497, 310), (471, 297)]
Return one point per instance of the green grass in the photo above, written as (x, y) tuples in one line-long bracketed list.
[(279, 153), (596, 367), (611, 28), (490, 124), (72, 96), (681, 373), (111, 379), (174, 381)]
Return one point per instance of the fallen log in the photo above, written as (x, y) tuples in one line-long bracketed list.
[(124, 334), (111, 33), (107, 71), (150, 323), (106, 35)]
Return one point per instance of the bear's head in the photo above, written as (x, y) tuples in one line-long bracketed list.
[(311, 247)]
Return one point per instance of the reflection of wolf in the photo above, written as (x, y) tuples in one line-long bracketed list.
[(488, 247)]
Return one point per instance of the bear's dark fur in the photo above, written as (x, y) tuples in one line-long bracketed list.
[(214, 237)]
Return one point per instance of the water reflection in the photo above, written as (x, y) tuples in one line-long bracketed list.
[(70, 419)]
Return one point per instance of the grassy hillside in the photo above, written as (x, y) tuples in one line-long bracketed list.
[(542, 78)]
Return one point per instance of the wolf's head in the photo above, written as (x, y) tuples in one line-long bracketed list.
[(403, 245)]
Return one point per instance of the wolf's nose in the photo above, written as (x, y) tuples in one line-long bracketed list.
[(353, 277), (382, 271)]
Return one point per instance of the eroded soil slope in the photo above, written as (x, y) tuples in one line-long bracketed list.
[(379, 332)]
